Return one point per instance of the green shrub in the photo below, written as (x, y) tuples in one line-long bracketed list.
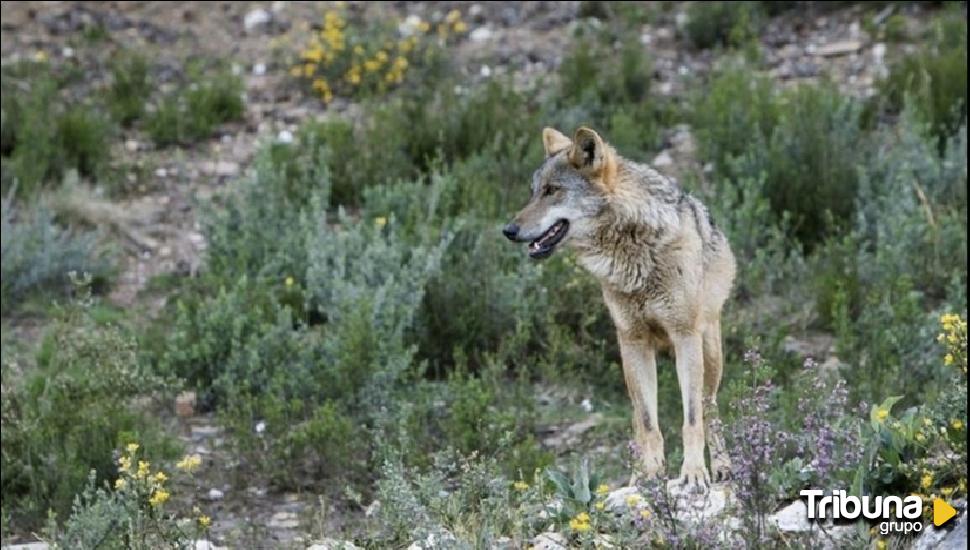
[(44, 136), (193, 112), (66, 416), (130, 88), (712, 24), (935, 79), (38, 255)]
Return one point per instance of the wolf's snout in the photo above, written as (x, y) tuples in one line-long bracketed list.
[(511, 231)]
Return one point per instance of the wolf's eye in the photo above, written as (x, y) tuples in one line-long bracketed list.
[(549, 190)]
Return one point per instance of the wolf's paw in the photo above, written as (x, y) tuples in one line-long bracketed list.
[(720, 468), (694, 478)]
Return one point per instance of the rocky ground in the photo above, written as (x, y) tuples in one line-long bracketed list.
[(156, 222)]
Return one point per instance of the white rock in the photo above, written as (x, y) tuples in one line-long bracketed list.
[(372, 508), (67, 52), (618, 501), (215, 494), (587, 405), (950, 536), (333, 544), (259, 69), (475, 10), (480, 34), (285, 136), (485, 71), (28, 546), (284, 520), (203, 544), (409, 26), (277, 6), (256, 18), (549, 541), (131, 145), (663, 160), (161, 173), (260, 427)]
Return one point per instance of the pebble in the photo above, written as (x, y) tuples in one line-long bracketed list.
[(215, 494), (285, 136), (480, 34), (259, 69), (256, 18), (131, 146)]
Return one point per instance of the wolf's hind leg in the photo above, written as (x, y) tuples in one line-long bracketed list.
[(640, 372), (713, 366)]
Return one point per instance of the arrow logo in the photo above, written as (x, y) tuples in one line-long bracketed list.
[(942, 512)]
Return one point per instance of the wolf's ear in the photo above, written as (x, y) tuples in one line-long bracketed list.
[(554, 141), (592, 156)]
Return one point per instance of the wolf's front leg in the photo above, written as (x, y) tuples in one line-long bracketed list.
[(640, 371), (690, 374)]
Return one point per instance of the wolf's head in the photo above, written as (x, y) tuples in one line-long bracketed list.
[(568, 192)]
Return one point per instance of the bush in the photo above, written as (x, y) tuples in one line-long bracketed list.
[(130, 88), (358, 59), (934, 79), (712, 24), (38, 255), (194, 111), (45, 136), (68, 415)]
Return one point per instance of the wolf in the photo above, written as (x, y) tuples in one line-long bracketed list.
[(665, 270)]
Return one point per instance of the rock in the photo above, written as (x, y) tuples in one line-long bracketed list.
[(203, 544), (481, 34), (372, 508), (572, 433), (131, 146), (834, 49), (199, 432), (259, 69), (284, 520), (485, 71), (28, 546), (951, 536), (333, 544), (619, 501), (256, 18), (792, 518), (688, 507), (285, 136), (549, 541), (185, 404), (443, 539), (215, 494), (663, 160), (222, 168)]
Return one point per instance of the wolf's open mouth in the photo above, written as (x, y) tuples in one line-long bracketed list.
[(546, 243)]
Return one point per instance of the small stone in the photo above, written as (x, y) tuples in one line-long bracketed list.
[(131, 146), (663, 160), (161, 173), (549, 541), (284, 520), (256, 18), (203, 544), (215, 494), (834, 49), (185, 401), (480, 34), (485, 71), (259, 69), (68, 52), (285, 136)]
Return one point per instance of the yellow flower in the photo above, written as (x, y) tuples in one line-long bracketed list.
[(645, 514), (381, 56), (159, 497), (296, 71), (189, 463), (309, 69), (881, 414), (405, 46), (353, 75), (143, 467), (927, 422), (40, 56), (132, 448), (371, 65), (314, 55), (160, 477), (424, 26), (927, 481), (632, 500), (520, 485), (881, 544), (205, 521), (580, 523), (120, 483), (948, 359), (459, 27), (920, 437), (124, 464), (957, 424), (600, 505), (359, 50), (453, 16), (289, 281), (946, 491), (380, 221), (602, 489)]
